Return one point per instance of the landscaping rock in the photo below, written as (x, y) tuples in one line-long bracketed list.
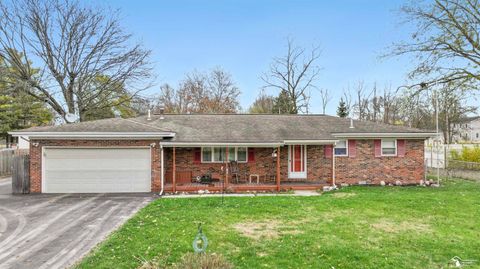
[(398, 183), (344, 185), (329, 188), (362, 182), (382, 183)]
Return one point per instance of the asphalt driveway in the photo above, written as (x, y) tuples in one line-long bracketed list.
[(55, 231)]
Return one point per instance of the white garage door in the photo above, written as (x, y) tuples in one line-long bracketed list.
[(96, 170)]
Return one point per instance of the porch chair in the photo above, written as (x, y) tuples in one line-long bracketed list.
[(235, 172)]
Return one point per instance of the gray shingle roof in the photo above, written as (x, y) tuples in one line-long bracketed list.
[(235, 128)]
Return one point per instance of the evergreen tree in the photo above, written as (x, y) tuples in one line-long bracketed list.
[(19, 110), (342, 110), (283, 104)]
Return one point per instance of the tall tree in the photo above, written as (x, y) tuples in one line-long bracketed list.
[(19, 110), (283, 104), (223, 92), (294, 75), (213, 92), (263, 104), (74, 44), (445, 41), (342, 110)]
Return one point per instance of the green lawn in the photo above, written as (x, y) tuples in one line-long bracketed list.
[(358, 227)]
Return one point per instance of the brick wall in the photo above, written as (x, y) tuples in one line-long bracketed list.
[(366, 167), (36, 157)]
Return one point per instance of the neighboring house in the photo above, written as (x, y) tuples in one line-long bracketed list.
[(468, 130), (263, 152)]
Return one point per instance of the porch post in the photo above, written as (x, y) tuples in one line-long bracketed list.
[(162, 171), (333, 165), (278, 169), (226, 166), (174, 171)]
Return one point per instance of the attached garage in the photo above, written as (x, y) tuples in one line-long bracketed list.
[(96, 170)]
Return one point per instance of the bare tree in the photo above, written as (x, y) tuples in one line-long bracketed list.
[(263, 104), (214, 92), (294, 75), (361, 105), (75, 45), (223, 92), (325, 98), (445, 42), (347, 98)]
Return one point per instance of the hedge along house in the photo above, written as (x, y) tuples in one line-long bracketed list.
[(236, 152)]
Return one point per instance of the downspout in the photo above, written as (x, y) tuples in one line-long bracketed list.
[(162, 178), (333, 165)]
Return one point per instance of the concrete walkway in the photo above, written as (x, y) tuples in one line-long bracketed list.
[(55, 231), (295, 193)]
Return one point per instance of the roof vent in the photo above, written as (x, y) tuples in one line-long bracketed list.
[(351, 124), (149, 116)]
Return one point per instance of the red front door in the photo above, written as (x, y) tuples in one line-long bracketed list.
[(297, 158)]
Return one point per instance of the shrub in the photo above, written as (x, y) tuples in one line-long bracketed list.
[(467, 154)]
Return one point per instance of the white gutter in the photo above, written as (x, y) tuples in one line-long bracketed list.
[(382, 135), (116, 135), (310, 142), (219, 144)]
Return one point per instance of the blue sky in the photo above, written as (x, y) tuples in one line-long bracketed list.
[(243, 37)]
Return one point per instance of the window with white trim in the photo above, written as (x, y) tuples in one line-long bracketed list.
[(206, 154), (341, 148), (219, 154), (389, 147)]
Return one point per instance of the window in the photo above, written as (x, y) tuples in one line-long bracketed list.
[(389, 147), (231, 154), (219, 154), (477, 135), (242, 154), (206, 154), (341, 148)]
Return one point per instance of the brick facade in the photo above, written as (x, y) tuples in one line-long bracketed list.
[(363, 167), (366, 167), (36, 157)]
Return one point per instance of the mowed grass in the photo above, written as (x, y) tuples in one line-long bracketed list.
[(357, 227)]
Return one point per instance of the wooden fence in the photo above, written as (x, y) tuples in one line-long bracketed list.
[(6, 159), (21, 174)]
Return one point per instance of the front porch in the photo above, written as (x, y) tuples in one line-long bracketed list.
[(246, 168), (222, 187)]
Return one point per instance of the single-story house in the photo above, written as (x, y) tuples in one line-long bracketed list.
[(234, 152)]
